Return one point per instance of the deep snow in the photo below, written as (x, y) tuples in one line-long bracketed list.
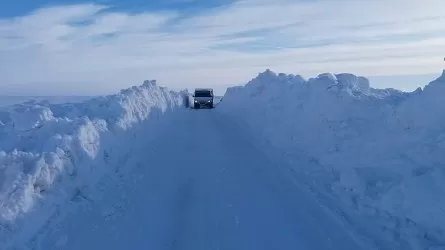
[(90, 172), (381, 152), (53, 154)]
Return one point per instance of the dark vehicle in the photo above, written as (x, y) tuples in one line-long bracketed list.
[(203, 98)]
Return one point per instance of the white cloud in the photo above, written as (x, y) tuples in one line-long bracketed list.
[(86, 44)]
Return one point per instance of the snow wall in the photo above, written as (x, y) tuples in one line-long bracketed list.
[(374, 155), (54, 154)]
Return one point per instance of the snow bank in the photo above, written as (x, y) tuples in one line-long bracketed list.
[(379, 151), (51, 154)]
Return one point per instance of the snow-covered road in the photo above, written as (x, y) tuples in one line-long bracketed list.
[(204, 186)]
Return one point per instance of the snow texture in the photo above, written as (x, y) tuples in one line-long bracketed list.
[(374, 157), (379, 151), (51, 154), (202, 185)]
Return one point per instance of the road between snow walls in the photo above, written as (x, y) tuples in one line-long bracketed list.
[(374, 158)]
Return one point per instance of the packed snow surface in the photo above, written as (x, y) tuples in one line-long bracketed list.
[(281, 163)]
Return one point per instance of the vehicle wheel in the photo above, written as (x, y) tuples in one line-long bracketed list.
[(196, 106)]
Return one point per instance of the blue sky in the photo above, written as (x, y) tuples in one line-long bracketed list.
[(94, 47), (21, 7)]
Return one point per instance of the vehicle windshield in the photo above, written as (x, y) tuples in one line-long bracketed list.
[(203, 94)]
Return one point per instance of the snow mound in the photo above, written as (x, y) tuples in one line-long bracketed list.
[(379, 151), (51, 154)]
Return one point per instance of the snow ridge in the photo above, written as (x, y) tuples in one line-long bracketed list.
[(51, 154), (379, 151)]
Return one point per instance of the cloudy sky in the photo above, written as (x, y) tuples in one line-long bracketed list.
[(50, 47)]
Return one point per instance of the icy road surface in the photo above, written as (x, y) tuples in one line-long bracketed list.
[(203, 184)]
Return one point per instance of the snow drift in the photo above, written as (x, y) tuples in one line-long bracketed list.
[(379, 151), (53, 154)]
